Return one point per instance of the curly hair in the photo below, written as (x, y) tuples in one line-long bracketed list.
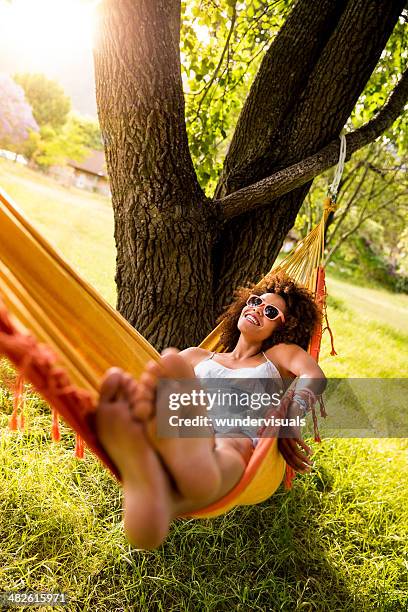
[(301, 317)]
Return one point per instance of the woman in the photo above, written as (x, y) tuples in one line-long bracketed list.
[(266, 332)]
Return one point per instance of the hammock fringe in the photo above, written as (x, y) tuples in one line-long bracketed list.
[(290, 475), (79, 447), (55, 430), (14, 422), (38, 364), (88, 335)]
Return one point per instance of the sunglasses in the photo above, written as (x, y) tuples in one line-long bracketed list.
[(271, 312)]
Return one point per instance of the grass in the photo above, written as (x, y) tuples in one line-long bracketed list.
[(338, 541), (367, 346), (79, 224), (374, 303)]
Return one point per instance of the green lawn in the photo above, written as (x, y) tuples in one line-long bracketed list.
[(78, 223), (338, 541)]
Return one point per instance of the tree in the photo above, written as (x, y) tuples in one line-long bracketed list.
[(51, 147), (88, 131), (375, 188), (49, 103), (55, 147), (16, 117), (180, 253)]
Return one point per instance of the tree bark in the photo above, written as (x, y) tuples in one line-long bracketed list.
[(177, 260), (283, 181), (306, 88), (164, 225)]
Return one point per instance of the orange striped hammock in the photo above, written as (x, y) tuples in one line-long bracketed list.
[(61, 335)]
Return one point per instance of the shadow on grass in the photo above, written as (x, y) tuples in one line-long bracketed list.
[(279, 555), (308, 549)]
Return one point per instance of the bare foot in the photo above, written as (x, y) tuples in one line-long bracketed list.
[(190, 461), (146, 487)]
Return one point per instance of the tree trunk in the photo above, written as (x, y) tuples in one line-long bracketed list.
[(164, 225), (306, 88), (176, 264)]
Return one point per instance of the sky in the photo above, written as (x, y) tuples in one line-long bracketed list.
[(53, 37)]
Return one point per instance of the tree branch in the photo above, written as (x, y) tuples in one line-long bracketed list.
[(348, 205), (208, 85), (362, 219), (281, 182), (274, 93)]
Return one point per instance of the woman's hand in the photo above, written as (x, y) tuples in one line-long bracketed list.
[(293, 448), (296, 454)]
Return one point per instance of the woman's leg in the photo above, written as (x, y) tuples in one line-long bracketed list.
[(162, 478), (204, 468), (232, 456), (147, 502)]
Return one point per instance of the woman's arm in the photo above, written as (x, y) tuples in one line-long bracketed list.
[(304, 367), (297, 362), (194, 355)]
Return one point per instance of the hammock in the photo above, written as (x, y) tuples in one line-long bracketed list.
[(75, 336)]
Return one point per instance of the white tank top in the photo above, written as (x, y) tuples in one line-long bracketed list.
[(208, 368)]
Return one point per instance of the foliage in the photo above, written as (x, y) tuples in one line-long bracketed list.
[(73, 140), (393, 62), (16, 117), (367, 234), (402, 246), (371, 264), (62, 135), (55, 147), (363, 261), (88, 131), (222, 43), (49, 103), (221, 47)]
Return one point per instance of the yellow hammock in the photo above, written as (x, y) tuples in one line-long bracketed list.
[(42, 294)]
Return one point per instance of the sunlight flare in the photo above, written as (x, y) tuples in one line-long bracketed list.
[(46, 33)]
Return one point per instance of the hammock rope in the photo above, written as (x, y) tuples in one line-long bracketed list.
[(334, 187), (75, 336)]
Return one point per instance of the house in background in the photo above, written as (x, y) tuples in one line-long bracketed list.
[(91, 173)]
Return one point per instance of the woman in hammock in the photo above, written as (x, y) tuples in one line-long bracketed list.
[(267, 328)]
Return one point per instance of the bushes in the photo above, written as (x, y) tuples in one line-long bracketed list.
[(359, 259), (401, 283)]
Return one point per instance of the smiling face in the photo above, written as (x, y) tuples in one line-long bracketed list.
[(296, 303), (254, 324)]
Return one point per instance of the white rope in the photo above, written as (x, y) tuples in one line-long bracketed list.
[(334, 187)]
